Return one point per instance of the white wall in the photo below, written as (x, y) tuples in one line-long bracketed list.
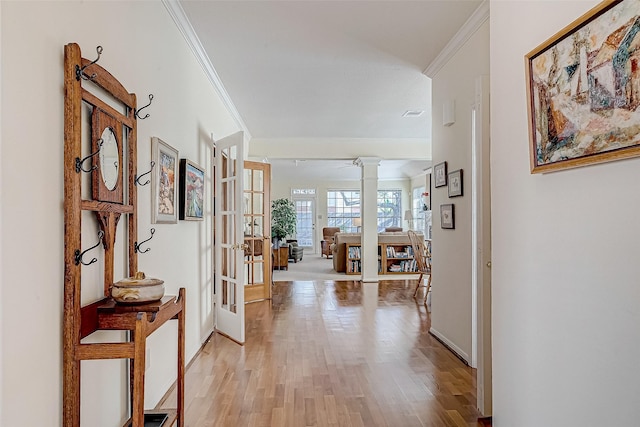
[(451, 292), (144, 49), (566, 300)]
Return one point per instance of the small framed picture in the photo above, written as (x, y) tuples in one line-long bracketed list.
[(164, 189), (455, 183), (447, 219), (191, 191), (440, 174)]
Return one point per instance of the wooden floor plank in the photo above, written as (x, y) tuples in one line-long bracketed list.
[(319, 355)]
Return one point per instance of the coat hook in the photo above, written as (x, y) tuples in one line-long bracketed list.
[(138, 111), (137, 245), (137, 180), (79, 161), (79, 255), (80, 71)]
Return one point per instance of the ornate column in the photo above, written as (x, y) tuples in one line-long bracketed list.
[(369, 215)]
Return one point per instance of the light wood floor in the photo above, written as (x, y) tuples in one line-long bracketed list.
[(330, 354)]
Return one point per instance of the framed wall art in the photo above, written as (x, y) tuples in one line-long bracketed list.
[(440, 174), (583, 90), (447, 218), (164, 189), (191, 191), (455, 183)]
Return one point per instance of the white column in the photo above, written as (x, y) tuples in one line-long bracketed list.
[(369, 215)]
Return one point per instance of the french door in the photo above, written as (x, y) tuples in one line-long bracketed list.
[(305, 222), (229, 242), (257, 231)]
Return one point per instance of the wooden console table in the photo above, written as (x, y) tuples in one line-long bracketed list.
[(281, 258)]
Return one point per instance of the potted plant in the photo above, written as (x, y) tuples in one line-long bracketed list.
[(283, 219)]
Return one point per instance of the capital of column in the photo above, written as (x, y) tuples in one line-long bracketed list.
[(367, 161)]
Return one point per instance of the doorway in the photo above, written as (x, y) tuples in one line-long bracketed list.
[(305, 222)]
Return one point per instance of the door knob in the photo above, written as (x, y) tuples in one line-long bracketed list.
[(489, 264)]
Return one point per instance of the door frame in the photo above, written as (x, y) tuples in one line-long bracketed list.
[(481, 247)]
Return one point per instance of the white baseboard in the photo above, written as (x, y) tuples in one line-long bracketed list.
[(450, 345)]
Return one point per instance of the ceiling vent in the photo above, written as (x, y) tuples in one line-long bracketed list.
[(413, 113)]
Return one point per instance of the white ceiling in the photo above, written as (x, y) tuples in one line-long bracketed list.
[(326, 70), (325, 170)]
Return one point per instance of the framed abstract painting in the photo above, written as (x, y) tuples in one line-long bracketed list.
[(164, 208), (583, 90), (191, 191)]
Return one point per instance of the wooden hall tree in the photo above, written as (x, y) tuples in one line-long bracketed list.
[(87, 86)]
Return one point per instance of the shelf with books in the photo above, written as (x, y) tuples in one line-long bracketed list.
[(398, 259), (354, 263)]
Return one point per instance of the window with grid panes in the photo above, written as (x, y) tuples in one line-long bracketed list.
[(344, 205)]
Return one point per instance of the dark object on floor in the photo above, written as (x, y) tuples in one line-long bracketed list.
[(154, 420), (295, 251)]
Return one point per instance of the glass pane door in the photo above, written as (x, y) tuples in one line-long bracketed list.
[(305, 223), (257, 235), (229, 272)]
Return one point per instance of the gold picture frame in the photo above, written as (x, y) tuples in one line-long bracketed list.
[(583, 90)]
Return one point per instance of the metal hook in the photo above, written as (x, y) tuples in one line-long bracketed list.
[(137, 245), (79, 255), (79, 161), (137, 180), (80, 71), (138, 111)]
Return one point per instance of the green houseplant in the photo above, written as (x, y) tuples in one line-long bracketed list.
[(283, 219)]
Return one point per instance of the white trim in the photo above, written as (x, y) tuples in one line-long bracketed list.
[(448, 343), (477, 18), (184, 25), (1, 240)]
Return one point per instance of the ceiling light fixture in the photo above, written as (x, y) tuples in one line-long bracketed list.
[(413, 113)]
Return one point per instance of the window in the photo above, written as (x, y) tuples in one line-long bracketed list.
[(389, 209), (417, 208), (342, 208), (344, 205), (303, 192)]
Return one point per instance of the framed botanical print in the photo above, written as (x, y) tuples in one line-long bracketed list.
[(455, 183), (191, 191), (164, 199), (447, 219), (440, 174)]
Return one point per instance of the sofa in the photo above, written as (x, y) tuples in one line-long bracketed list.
[(339, 246)]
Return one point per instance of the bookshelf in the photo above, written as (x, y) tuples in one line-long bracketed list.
[(354, 255), (398, 259), (393, 258)]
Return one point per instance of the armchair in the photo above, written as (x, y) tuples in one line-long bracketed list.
[(295, 251), (328, 234)]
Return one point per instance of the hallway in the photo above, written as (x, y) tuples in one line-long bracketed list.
[(329, 354)]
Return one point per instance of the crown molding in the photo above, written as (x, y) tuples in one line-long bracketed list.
[(184, 25), (477, 18)]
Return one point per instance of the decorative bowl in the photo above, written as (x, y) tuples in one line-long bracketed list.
[(138, 289)]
